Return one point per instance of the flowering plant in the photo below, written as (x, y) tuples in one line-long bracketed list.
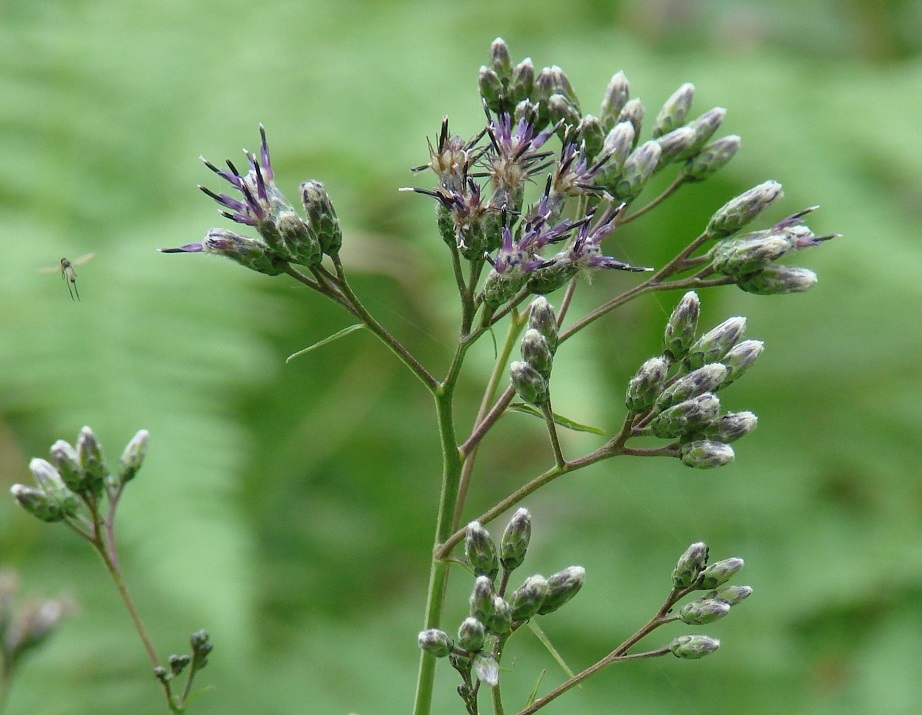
[(527, 208)]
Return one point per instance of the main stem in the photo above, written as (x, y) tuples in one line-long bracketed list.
[(438, 573)]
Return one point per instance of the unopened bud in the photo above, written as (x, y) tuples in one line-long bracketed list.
[(201, 648), (529, 597), (522, 82), (731, 426), (618, 144), (705, 379), (712, 157), (716, 343), (530, 385), (730, 594), (298, 237), (591, 136), (632, 112), (553, 80), (321, 217), (778, 280), (687, 417), (480, 551), (616, 96), (491, 89), (500, 287), (718, 573), (681, 328), (561, 587), (471, 634), (672, 115), (739, 211), (481, 601), (500, 621), (178, 663), (689, 565), (515, 540), (133, 456), (37, 503), (674, 145), (646, 385), (541, 317), (500, 59), (560, 109), (92, 460), (637, 171), (704, 128), (536, 352), (706, 454), (485, 669), (436, 642), (741, 256), (65, 459), (692, 647), (740, 358), (702, 611)]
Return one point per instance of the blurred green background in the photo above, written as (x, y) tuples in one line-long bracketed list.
[(289, 508)]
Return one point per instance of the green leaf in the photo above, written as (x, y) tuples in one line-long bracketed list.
[(558, 419), (542, 636), (334, 336)]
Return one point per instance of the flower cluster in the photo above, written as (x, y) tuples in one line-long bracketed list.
[(685, 406), (285, 237), (496, 614)]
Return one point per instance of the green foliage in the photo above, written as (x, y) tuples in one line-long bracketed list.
[(287, 507)]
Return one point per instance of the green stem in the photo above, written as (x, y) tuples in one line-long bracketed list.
[(438, 574), (548, 413)]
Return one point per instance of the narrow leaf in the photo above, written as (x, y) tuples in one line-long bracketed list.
[(559, 419), (541, 636), (334, 336)]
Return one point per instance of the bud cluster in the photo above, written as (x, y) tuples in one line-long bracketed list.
[(73, 476), (531, 375), (495, 614), (751, 257), (285, 237), (685, 406), (692, 573)]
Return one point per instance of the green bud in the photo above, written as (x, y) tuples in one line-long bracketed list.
[(481, 600), (556, 274), (541, 317), (133, 456), (740, 358), (529, 597), (704, 128), (491, 89), (37, 503), (692, 647), (711, 159), (561, 587), (500, 59), (705, 379), (480, 551), (551, 81), (739, 211), (646, 385), (436, 642), (730, 594), (321, 218), (674, 145), (718, 573), (632, 112), (731, 426), (248, 252), (162, 674), (591, 134), (485, 669), (529, 384), (616, 96), (637, 170), (778, 280), (471, 634), (67, 462), (706, 454), (741, 256), (714, 345), (690, 565), (500, 621), (560, 109), (178, 663), (92, 460), (299, 238), (672, 115), (619, 143), (53, 487), (522, 82), (686, 417), (515, 540), (536, 352), (500, 287), (702, 611), (681, 328), (201, 648)]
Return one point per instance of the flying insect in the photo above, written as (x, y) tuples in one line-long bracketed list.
[(68, 274)]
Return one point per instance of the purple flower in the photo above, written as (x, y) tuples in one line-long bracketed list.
[(586, 249)]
